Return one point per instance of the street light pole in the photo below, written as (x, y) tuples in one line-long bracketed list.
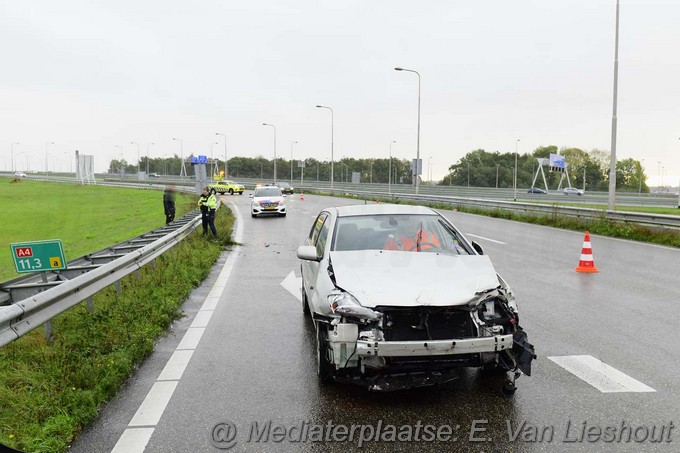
[(274, 127), (182, 170), (147, 157), (389, 177), (640, 187), (12, 148), (514, 179), (291, 162), (418, 139), (332, 124), (612, 163), (226, 173), (497, 165), (46, 158), (135, 143)]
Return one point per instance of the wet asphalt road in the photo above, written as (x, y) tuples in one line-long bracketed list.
[(255, 360)]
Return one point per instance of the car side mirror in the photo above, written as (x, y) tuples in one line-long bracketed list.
[(283, 195), (307, 253), (250, 195), (478, 248)]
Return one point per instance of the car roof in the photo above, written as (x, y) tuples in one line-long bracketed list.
[(381, 209)]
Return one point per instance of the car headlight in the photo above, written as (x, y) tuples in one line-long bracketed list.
[(346, 305), (282, 204)]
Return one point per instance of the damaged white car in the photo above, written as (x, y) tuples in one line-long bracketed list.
[(400, 299)]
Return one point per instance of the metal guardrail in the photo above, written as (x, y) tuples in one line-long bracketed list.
[(34, 302), (651, 220), (29, 301)]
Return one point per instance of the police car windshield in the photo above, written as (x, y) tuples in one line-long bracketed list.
[(267, 192)]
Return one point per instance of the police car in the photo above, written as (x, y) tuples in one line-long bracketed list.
[(268, 200)]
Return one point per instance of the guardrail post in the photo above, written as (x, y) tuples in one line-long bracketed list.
[(119, 289), (90, 304), (48, 331)]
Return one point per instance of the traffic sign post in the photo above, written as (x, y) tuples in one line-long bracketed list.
[(38, 256)]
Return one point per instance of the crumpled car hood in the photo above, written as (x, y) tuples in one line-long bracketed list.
[(407, 279)]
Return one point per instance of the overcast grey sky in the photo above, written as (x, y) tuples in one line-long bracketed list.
[(92, 74)]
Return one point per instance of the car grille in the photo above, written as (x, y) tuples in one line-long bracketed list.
[(426, 323)]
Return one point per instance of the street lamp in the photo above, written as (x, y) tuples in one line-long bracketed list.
[(46, 164), (514, 179), (12, 148), (612, 162), (429, 169), (418, 139), (182, 170), (389, 177), (135, 143), (658, 180), (291, 162), (226, 173), (147, 157), (212, 159), (274, 127), (332, 122), (497, 165), (640, 187)]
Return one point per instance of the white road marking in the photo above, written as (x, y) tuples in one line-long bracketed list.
[(191, 338), (176, 365), (154, 404), (133, 440), (486, 239), (293, 285), (600, 375), (202, 318), (151, 410)]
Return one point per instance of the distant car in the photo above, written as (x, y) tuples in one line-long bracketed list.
[(154, 175), (537, 190), (267, 200), (285, 187), (227, 186), (572, 191), (19, 174), (401, 299)]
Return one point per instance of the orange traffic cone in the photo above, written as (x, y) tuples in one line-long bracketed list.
[(586, 264), (302, 196)]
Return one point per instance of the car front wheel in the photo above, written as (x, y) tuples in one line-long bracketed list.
[(323, 367), (305, 303)]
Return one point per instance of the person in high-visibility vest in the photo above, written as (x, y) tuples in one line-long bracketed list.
[(412, 239), (208, 203)]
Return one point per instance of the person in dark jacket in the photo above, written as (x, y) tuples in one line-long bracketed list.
[(169, 204)]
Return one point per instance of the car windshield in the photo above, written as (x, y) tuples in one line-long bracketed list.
[(408, 233), (267, 192)]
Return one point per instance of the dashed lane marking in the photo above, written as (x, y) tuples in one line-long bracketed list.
[(603, 377)]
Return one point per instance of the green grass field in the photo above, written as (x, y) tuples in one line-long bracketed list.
[(86, 218)]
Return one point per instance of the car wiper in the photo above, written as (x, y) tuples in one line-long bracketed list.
[(453, 233)]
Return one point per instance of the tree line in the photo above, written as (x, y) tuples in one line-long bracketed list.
[(477, 168)]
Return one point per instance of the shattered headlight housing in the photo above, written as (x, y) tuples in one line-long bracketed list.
[(346, 305)]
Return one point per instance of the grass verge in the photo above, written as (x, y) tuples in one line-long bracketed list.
[(51, 391)]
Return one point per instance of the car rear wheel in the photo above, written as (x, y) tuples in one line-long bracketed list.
[(323, 366)]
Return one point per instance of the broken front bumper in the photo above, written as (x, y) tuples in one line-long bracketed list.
[(494, 343)]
